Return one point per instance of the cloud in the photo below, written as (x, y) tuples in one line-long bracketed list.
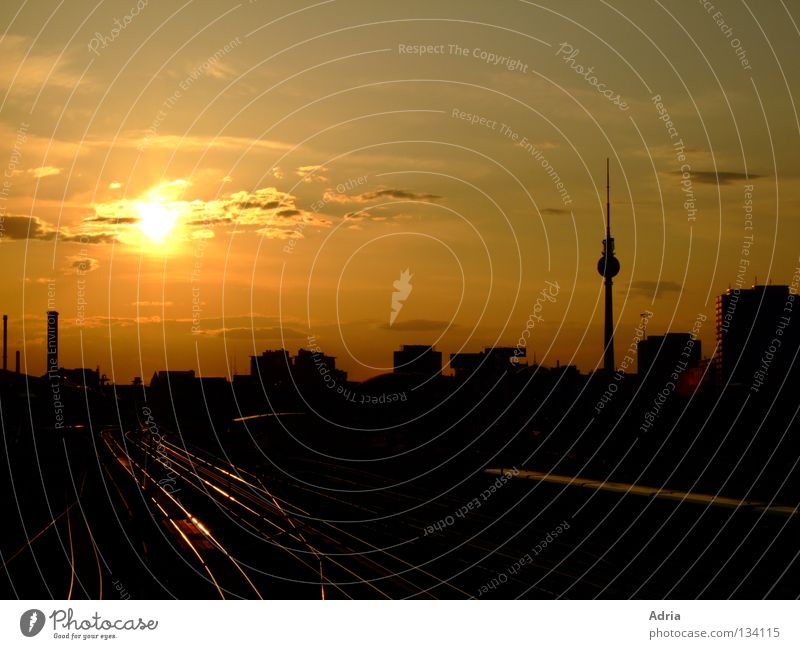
[(357, 216), (221, 71), (82, 264), (249, 326), (26, 227), (32, 227), (25, 69), (554, 210), (113, 220), (259, 333), (369, 197), (654, 289), (312, 173), (91, 237), (377, 213), (100, 321), (419, 325), (331, 196), (144, 139), (44, 172), (62, 150), (142, 303), (266, 207), (718, 177), (400, 194), (277, 233), (114, 185)]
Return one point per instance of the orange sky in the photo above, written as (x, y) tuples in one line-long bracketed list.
[(197, 183)]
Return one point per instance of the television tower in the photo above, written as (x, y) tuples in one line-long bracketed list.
[(608, 267)]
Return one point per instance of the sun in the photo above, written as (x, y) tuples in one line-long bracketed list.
[(159, 211), (156, 220)]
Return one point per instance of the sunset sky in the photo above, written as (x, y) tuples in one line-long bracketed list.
[(201, 181)]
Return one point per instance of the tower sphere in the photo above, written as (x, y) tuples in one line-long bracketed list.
[(608, 266)]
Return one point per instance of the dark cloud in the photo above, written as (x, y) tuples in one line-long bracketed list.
[(26, 227), (206, 221), (32, 227), (402, 194), (357, 216), (113, 220), (83, 264), (378, 194), (654, 289), (93, 237), (718, 177), (266, 199), (554, 210)]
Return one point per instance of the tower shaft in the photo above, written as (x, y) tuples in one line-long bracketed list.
[(608, 329)]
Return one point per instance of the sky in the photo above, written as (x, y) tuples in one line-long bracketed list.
[(192, 183)]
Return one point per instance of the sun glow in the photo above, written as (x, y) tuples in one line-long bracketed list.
[(156, 221), (159, 212)]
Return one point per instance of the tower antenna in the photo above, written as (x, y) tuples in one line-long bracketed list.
[(608, 200)]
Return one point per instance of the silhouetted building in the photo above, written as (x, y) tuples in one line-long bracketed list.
[(188, 402), (52, 341), (81, 377), (493, 361), (310, 366), (271, 368), (418, 359), (171, 377), (5, 342), (571, 371), (757, 333), (659, 355)]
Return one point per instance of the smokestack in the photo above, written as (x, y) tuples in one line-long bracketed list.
[(5, 342), (52, 341), (17, 361)]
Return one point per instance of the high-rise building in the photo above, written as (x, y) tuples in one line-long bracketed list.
[(5, 342), (757, 334), (418, 359), (608, 267)]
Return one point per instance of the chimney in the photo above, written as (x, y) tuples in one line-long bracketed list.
[(17, 361), (5, 342)]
